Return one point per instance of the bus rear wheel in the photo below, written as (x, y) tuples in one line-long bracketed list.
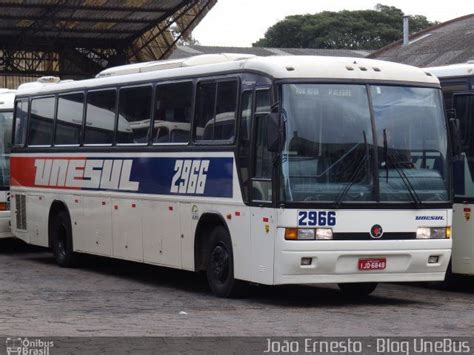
[(220, 266), (61, 240), (357, 290)]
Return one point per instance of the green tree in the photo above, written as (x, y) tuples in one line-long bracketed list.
[(363, 29)]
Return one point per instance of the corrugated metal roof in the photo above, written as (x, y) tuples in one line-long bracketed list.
[(79, 38), (443, 44), (81, 20)]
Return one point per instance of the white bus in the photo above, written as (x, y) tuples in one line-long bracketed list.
[(7, 98), (288, 170), (457, 82)]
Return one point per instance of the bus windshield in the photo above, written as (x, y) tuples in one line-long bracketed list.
[(6, 119), (337, 151)]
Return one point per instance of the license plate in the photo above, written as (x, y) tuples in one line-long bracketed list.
[(372, 264)]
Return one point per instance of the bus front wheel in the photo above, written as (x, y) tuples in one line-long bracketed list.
[(358, 290), (220, 266), (61, 240)]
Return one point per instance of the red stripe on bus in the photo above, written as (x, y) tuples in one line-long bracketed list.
[(23, 171)]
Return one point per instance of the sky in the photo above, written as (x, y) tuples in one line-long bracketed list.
[(239, 23)]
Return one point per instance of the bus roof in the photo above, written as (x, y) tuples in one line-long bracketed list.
[(278, 67), (454, 70), (204, 59), (7, 99)]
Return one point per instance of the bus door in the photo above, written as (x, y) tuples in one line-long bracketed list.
[(263, 216), (463, 218)]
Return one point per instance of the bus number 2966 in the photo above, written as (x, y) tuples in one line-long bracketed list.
[(316, 218), (189, 177)]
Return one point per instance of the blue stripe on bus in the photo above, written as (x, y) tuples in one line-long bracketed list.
[(158, 175)]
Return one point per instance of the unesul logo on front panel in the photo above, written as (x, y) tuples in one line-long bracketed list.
[(211, 177)]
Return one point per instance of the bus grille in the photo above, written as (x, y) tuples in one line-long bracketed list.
[(20, 202)]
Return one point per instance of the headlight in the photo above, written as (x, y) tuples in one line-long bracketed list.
[(423, 233), (433, 233), (305, 234), (324, 233), (308, 234)]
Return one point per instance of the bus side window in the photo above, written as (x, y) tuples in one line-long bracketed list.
[(262, 101), (40, 129), (244, 140), (205, 111), (173, 112), (100, 117), (262, 180), (134, 115), (215, 118), (464, 108), (224, 127), (69, 119), (21, 115), (461, 107)]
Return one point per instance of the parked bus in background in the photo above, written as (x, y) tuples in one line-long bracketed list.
[(7, 98), (286, 170), (457, 82)]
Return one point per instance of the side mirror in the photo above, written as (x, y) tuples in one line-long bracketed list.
[(455, 133), (275, 132)]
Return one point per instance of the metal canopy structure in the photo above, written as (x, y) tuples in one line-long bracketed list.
[(79, 38)]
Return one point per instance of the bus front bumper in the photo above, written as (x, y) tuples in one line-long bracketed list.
[(338, 261)]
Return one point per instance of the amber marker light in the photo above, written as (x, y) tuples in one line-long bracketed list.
[(291, 233), (448, 233)]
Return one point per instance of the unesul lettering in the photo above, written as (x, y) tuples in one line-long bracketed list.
[(110, 174)]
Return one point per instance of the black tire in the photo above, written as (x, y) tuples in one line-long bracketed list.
[(61, 240), (451, 281), (220, 266), (357, 290)]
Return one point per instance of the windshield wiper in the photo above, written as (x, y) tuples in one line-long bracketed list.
[(389, 158), (354, 175)]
